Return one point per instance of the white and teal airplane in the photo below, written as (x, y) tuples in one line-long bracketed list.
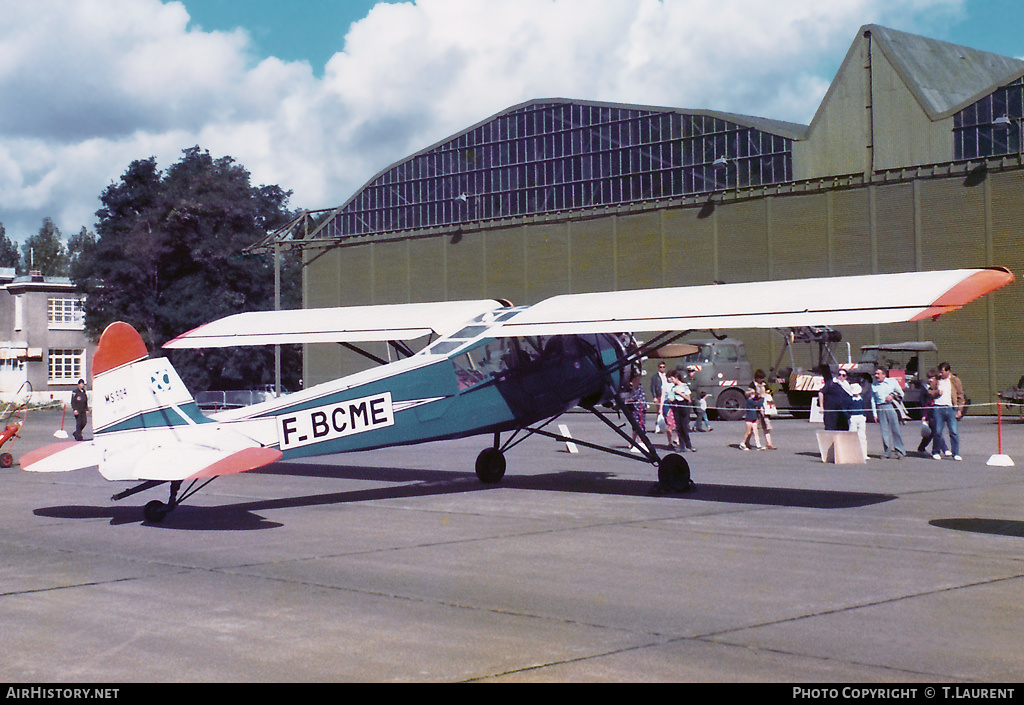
[(491, 368)]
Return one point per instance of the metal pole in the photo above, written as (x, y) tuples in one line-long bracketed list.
[(277, 307)]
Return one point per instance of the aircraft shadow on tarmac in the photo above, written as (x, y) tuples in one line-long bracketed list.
[(997, 527), (411, 482)]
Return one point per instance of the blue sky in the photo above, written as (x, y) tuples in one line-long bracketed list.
[(296, 30), (317, 96)]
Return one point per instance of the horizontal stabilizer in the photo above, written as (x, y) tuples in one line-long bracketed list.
[(181, 454), (347, 324), (61, 457), (241, 461)]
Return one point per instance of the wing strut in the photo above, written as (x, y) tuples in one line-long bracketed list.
[(399, 347)]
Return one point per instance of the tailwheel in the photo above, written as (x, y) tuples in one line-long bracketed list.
[(155, 511), (490, 466), (674, 473)]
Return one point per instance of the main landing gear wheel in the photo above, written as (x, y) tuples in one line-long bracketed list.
[(490, 466), (674, 473), (6, 460), (155, 511)]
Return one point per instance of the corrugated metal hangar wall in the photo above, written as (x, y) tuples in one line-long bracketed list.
[(921, 222)]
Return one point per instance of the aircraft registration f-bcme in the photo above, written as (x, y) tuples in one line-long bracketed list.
[(491, 368)]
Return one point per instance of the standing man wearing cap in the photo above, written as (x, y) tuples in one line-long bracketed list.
[(80, 405)]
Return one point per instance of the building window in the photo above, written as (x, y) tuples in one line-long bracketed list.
[(65, 312), (66, 366), (992, 126), (550, 157)]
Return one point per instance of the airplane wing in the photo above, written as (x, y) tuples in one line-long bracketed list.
[(352, 324), (833, 301)]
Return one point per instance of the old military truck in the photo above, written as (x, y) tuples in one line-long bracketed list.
[(723, 371)]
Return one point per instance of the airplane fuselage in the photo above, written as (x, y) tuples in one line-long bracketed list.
[(461, 385)]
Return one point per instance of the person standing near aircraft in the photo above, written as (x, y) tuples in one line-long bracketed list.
[(832, 398), (949, 408), (637, 401), (856, 418), (928, 418), (763, 421), (754, 403), (675, 397), (684, 395), (657, 385), (80, 405), (884, 392)]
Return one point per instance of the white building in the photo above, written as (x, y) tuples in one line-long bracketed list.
[(42, 336)]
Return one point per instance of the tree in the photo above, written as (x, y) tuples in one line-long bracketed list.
[(9, 256), (78, 245), (45, 252), (168, 257)]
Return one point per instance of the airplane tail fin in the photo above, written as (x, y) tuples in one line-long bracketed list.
[(132, 390)]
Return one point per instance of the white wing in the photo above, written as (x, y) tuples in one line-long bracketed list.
[(834, 301), (331, 325)]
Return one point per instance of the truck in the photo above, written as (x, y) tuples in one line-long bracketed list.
[(907, 363), (724, 372), (796, 385)]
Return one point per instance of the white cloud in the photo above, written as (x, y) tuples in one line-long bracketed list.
[(99, 83)]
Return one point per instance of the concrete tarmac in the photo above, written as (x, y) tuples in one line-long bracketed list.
[(398, 565)]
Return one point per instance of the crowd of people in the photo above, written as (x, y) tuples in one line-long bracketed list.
[(846, 405)]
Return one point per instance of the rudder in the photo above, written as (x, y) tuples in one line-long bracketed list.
[(132, 390)]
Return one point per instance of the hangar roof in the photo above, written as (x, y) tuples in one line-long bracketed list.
[(943, 77)]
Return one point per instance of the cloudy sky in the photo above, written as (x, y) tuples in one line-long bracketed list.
[(317, 96)]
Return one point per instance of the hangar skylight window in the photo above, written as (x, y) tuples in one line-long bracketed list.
[(991, 126), (552, 157)]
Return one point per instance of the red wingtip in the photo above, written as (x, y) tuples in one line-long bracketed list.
[(34, 456), (119, 345), (974, 286)]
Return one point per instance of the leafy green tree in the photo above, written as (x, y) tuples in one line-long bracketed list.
[(168, 257), (9, 256), (45, 252), (78, 245)]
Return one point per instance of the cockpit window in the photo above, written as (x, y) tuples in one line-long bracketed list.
[(469, 332), (484, 361)]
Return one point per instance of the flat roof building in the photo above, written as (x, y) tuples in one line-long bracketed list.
[(913, 161), (42, 336)]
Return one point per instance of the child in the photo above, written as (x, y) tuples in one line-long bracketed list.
[(702, 423), (854, 408), (754, 403)]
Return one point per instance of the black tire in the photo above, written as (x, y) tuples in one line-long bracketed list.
[(731, 405), (490, 466), (674, 473), (6, 460), (155, 511)]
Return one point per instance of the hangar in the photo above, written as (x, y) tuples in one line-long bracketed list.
[(913, 161)]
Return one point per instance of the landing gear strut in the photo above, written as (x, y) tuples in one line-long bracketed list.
[(156, 510)]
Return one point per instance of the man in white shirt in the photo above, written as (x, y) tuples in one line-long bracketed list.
[(948, 408)]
